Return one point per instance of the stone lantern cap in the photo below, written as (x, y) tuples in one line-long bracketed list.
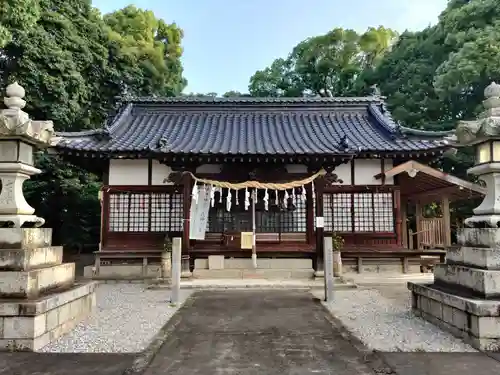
[(487, 126), (484, 134), (16, 124)]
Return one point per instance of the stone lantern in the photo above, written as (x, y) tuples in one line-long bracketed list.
[(39, 299), (484, 135), (19, 136), (465, 296)]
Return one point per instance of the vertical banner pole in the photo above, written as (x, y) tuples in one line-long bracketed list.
[(254, 234)]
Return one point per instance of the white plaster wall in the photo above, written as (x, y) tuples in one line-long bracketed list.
[(388, 165), (343, 172), (296, 168), (159, 173), (365, 171), (128, 172), (209, 168)]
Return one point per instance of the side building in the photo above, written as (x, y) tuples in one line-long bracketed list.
[(320, 165)]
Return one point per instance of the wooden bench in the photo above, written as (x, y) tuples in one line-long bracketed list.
[(215, 238), (294, 237), (267, 237), (123, 255), (403, 255)]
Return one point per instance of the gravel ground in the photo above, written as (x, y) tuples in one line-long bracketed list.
[(127, 317), (387, 324)]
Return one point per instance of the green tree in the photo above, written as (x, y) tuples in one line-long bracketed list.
[(436, 76), (153, 46), (76, 66), (16, 15), (234, 94), (329, 64)]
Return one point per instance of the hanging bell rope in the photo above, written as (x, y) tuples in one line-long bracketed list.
[(259, 185)]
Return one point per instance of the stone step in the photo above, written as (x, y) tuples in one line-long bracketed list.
[(25, 238), (32, 283), (480, 257), (259, 273), (246, 263), (30, 258), (483, 282)]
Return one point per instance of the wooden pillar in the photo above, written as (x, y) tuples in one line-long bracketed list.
[(319, 186), (445, 207), (404, 224), (311, 239), (104, 200), (104, 195), (418, 219), (186, 198), (398, 217)]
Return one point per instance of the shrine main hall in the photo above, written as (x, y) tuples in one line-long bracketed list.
[(292, 171)]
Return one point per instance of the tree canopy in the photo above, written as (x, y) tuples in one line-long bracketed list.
[(330, 64)]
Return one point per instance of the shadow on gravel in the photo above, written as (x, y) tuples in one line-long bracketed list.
[(64, 363)]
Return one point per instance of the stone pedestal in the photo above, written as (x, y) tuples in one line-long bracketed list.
[(39, 300), (465, 296)]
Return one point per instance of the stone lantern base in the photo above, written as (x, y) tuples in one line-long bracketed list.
[(465, 296), (39, 300)]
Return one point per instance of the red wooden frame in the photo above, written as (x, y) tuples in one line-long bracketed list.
[(314, 238)]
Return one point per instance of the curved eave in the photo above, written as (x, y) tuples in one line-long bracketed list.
[(427, 133), (158, 154)]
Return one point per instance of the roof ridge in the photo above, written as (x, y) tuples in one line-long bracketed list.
[(256, 100)]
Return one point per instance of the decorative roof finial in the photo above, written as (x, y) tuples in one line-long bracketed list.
[(376, 91), (492, 91), (15, 96), (492, 95)]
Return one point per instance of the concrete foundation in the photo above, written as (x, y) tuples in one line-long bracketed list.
[(285, 268), (39, 300)]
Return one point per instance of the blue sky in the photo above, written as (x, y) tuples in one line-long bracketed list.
[(226, 41)]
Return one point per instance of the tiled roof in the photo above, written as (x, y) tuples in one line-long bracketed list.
[(273, 126)]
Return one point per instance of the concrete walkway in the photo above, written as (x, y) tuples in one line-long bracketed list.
[(64, 364), (256, 332)]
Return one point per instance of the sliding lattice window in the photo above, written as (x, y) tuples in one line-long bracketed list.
[(145, 212), (358, 212)]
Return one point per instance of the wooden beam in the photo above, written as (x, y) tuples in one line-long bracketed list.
[(310, 215), (319, 189), (397, 217), (186, 199), (445, 207), (418, 219), (404, 223)]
